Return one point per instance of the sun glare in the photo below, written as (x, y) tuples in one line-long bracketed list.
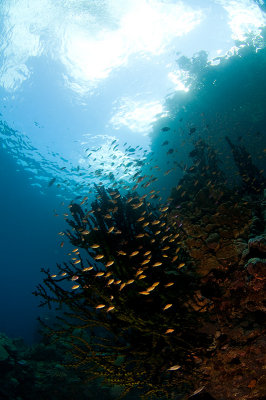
[(136, 115)]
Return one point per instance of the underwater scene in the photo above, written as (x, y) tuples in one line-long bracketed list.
[(133, 199)]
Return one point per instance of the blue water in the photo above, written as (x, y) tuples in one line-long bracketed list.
[(66, 92)]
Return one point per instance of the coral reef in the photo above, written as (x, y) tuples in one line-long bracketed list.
[(168, 299), (36, 372)]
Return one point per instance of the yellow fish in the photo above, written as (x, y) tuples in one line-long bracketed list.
[(169, 284), (110, 230), (99, 274), (87, 269), (164, 209), (142, 276), (144, 292), (95, 246), (100, 306), (110, 308), (86, 232), (150, 289), (99, 257), (122, 253), (75, 287), (140, 235), (77, 262), (130, 281), (134, 253), (167, 306), (157, 264), (174, 368), (169, 331), (147, 253), (110, 281), (181, 265), (109, 263), (145, 261)]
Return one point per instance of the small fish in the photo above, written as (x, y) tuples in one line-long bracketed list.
[(122, 286), (85, 232), (77, 262), (75, 250), (192, 130), (52, 181), (147, 253), (145, 261), (165, 143), (134, 253), (150, 289), (61, 244), (156, 222), (142, 276), (63, 274), (174, 368), (109, 263), (167, 306), (121, 253), (165, 129), (181, 265), (130, 281), (99, 257), (75, 278), (157, 264), (170, 151), (53, 276), (74, 287), (108, 274), (100, 306), (169, 284), (140, 235), (169, 331), (145, 224), (164, 209), (144, 292), (99, 274), (110, 230), (110, 282), (110, 308), (87, 269), (198, 390)]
